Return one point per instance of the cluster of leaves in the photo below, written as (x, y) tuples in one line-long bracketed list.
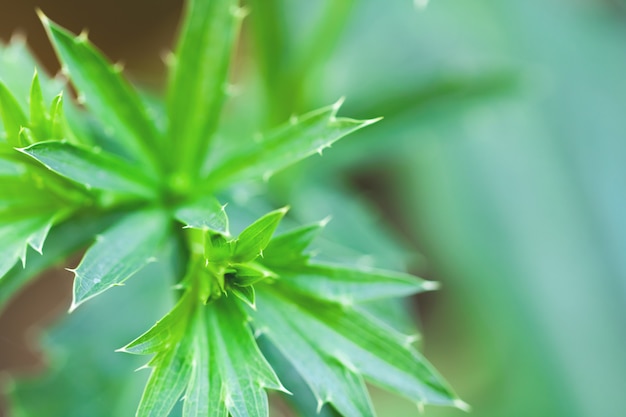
[(139, 175)]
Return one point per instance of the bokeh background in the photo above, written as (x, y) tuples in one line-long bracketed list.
[(499, 170)]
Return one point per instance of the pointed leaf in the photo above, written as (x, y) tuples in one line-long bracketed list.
[(297, 140), (13, 116), (348, 284), (245, 294), (165, 332), (198, 85), (168, 380), (288, 248), (62, 241), (249, 273), (119, 253), (105, 93), (243, 371), (329, 381), (39, 118), (90, 168), (201, 391), (358, 341), (255, 237), (205, 213), (16, 235)]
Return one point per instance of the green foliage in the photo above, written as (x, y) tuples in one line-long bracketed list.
[(132, 188)]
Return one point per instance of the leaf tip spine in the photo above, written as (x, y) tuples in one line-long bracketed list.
[(336, 106), (462, 405), (324, 222), (372, 121), (42, 17), (83, 36), (430, 285)]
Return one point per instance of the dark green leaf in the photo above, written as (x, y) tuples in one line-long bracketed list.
[(119, 253), (92, 169), (255, 237), (299, 139), (249, 273), (199, 77), (106, 94)]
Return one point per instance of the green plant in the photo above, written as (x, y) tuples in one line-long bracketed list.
[(146, 177)]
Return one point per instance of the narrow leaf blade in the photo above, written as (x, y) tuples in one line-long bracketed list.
[(360, 343), (348, 285), (243, 370), (255, 237), (13, 116), (198, 85), (106, 93), (119, 253), (92, 169), (297, 140)]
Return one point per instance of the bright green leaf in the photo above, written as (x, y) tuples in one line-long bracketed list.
[(39, 118), (166, 331), (205, 213), (297, 140), (255, 237), (106, 94), (243, 371), (249, 273), (16, 235), (119, 253), (245, 294), (62, 241), (12, 114), (170, 374), (199, 77), (92, 169), (288, 248)]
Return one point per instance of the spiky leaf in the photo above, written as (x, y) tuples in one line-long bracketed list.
[(119, 253), (91, 168), (299, 139), (106, 94)]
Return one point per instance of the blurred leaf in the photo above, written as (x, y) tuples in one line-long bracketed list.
[(205, 213), (199, 78)]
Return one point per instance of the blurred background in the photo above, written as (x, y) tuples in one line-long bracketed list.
[(499, 170)]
